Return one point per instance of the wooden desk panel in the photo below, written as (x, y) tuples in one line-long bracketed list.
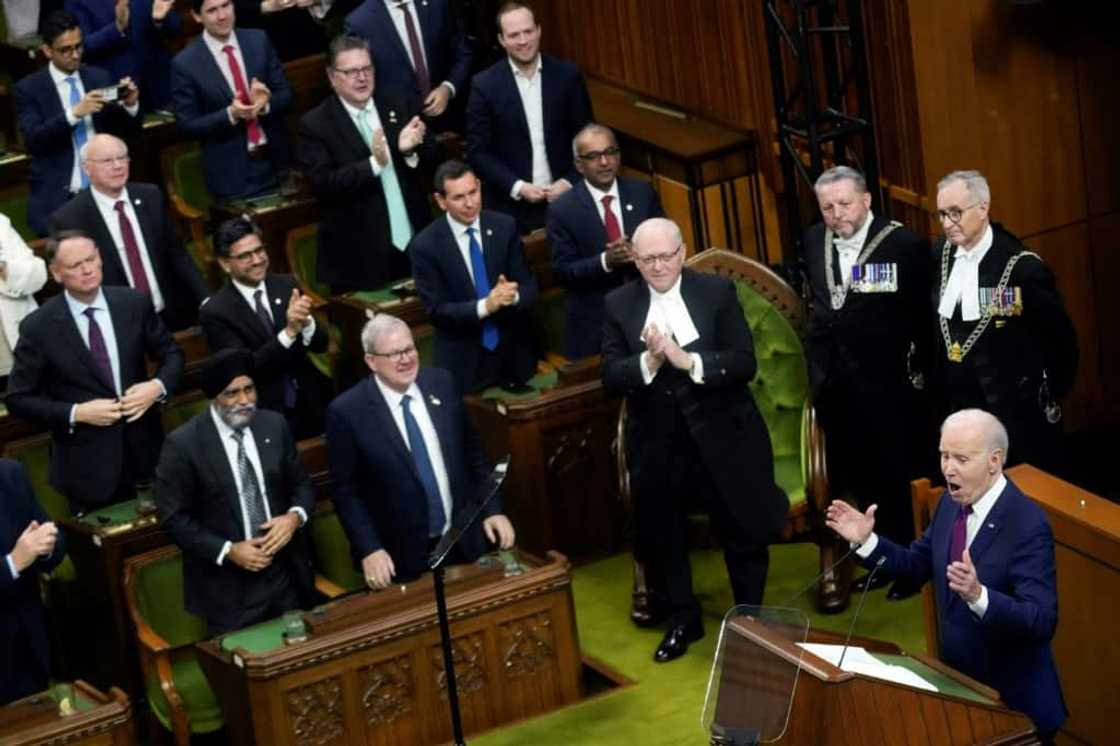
[(379, 678), (99, 720)]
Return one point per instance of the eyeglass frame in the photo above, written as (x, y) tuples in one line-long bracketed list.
[(651, 260), (397, 356), (69, 49), (109, 160), (352, 73), (612, 152), (942, 215), (245, 255)]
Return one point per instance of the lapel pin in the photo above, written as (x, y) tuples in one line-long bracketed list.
[(136, 201), (991, 525), (392, 117), (489, 232), (629, 207), (276, 301), (267, 441), (434, 400)]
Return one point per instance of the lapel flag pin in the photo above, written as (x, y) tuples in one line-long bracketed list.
[(435, 402)]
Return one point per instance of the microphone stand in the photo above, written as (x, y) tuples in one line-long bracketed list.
[(447, 542)]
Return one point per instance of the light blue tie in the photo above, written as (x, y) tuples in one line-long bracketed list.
[(79, 133), (400, 229), (481, 290)]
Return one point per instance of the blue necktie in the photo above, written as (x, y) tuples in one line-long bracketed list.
[(436, 516), (79, 133), (481, 290)]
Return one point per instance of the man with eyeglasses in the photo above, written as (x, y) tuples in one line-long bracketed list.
[(232, 493), (589, 228), (267, 314), (405, 460), (474, 283), (60, 108), (368, 158), (676, 344), (1005, 341), (522, 114), (132, 228), (869, 290), (229, 91)]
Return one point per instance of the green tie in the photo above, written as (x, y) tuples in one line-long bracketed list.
[(400, 230)]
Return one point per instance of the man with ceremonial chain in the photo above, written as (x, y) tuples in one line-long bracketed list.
[(1007, 343)]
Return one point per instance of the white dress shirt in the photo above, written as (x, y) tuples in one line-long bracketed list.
[(106, 205), (530, 89), (963, 285), (848, 249), (215, 46), (249, 294), (597, 198), (63, 89), (419, 409), (668, 312), (975, 521)]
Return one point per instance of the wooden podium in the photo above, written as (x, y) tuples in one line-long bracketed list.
[(1087, 554), (767, 677), (371, 671), (92, 718)]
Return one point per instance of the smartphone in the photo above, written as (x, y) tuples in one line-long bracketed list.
[(113, 92)]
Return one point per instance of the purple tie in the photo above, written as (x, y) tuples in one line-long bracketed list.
[(960, 526), (102, 367)]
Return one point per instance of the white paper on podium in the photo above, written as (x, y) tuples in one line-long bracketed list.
[(858, 660)]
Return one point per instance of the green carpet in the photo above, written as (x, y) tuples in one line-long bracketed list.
[(665, 703)]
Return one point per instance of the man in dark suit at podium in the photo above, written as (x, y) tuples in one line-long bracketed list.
[(405, 460), (589, 228), (989, 554), (677, 346)]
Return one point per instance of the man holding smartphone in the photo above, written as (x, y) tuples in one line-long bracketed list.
[(60, 108)]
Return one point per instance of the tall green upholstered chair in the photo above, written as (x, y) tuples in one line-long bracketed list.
[(331, 553), (185, 186), (777, 319), (302, 249), (178, 693)]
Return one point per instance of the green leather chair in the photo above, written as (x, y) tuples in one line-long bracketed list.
[(777, 319), (185, 186), (178, 693), (331, 553), (302, 250)]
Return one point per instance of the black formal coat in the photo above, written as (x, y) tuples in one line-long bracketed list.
[(448, 295), (199, 507), (1003, 372), (355, 250), (199, 99), (498, 144), (21, 607), (179, 280), (721, 416), (228, 321), (578, 238), (377, 490), (54, 370), (860, 362), (49, 137)]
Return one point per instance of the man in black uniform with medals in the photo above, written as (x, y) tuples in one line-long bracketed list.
[(868, 278), (1007, 344)]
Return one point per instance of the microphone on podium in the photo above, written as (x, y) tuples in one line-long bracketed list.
[(863, 597)]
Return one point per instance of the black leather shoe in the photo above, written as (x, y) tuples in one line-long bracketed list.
[(646, 616), (675, 642), (879, 581), (902, 590)]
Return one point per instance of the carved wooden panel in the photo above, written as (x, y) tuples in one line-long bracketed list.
[(469, 654), (387, 689), (526, 645), (315, 713)]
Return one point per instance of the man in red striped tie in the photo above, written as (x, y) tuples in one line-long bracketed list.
[(228, 89)]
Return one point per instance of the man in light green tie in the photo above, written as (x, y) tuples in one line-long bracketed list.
[(367, 159)]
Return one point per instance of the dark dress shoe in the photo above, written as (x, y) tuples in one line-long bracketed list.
[(646, 616), (902, 590), (675, 642), (877, 582)]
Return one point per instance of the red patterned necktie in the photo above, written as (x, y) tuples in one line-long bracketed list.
[(132, 251), (614, 232), (242, 93)]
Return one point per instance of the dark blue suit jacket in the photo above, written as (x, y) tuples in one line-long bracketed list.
[(448, 295), (139, 52), (498, 134), (20, 606), (49, 137), (578, 238), (1009, 649), (199, 97), (445, 48), (377, 490)]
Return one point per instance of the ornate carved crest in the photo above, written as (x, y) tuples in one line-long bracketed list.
[(315, 712), (527, 643), (469, 653), (388, 690)]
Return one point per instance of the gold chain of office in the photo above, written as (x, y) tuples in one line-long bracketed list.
[(955, 351), (837, 295)]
